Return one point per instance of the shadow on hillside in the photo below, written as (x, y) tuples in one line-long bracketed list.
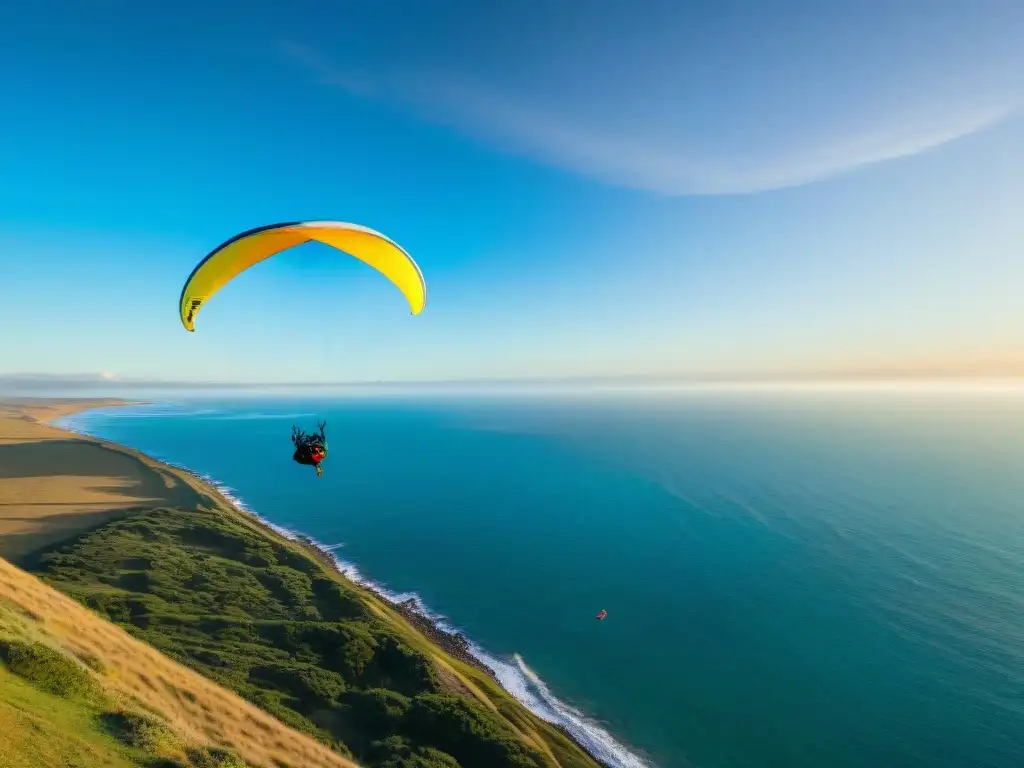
[(87, 485), (24, 548), (80, 458)]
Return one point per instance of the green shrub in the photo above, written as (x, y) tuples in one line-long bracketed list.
[(213, 757), (396, 752), (396, 665), (469, 733), (138, 730), (335, 602), (46, 668), (313, 687), (376, 713)]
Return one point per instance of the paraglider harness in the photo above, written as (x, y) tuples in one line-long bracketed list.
[(310, 449)]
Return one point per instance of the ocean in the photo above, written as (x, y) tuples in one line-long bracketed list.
[(791, 579)]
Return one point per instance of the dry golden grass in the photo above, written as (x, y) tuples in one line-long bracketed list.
[(54, 484), (195, 708)]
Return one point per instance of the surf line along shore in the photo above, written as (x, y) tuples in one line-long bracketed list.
[(63, 483)]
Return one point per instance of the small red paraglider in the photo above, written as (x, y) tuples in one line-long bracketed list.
[(601, 614)]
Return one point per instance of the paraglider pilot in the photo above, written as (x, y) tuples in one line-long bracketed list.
[(310, 449)]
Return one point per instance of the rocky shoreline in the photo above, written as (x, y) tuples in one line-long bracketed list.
[(455, 644)]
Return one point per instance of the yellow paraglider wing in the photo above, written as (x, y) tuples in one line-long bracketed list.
[(239, 253)]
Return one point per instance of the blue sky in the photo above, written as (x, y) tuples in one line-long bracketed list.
[(599, 188)]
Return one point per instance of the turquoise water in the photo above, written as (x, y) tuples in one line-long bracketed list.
[(791, 580)]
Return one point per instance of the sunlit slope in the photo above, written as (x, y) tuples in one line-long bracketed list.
[(81, 706)]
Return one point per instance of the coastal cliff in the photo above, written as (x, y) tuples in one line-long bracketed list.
[(270, 619)]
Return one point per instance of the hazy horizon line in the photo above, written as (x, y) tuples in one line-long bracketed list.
[(57, 382)]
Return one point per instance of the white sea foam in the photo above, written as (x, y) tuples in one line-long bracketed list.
[(512, 674)]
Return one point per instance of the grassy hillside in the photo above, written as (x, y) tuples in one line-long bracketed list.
[(78, 692), (42, 726), (266, 618)]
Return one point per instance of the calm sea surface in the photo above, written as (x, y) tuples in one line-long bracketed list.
[(791, 580)]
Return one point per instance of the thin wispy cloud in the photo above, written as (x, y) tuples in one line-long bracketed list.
[(653, 149)]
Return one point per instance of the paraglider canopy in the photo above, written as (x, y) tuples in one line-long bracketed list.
[(239, 253)]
